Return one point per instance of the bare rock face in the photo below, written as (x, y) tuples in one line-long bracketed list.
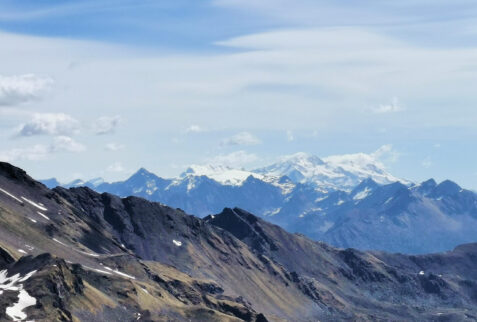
[(77, 255)]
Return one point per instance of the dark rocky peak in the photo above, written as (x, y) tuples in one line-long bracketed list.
[(426, 187), (245, 227), (142, 174), (140, 181), (446, 188), (5, 258), (252, 180), (364, 188), (394, 188), (17, 175), (78, 195)]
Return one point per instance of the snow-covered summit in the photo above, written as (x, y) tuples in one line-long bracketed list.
[(334, 172), (221, 173)]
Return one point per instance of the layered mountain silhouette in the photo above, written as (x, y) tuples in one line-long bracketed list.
[(76, 254), (347, 201)]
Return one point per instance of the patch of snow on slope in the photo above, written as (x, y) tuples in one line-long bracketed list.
[(97, 270), (362, 194), (389, 200), (24, 301), (10, 195), (79, 251), (34, 204), (15, 311), (144, 290), (43, 215), (120, 273)]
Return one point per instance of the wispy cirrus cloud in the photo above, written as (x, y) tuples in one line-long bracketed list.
[(426, 162), (114, 146), (194, 128), (290, 136), (106, 124), (391, 107), (18, 89)]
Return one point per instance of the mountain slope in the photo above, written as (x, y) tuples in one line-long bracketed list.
[(126, 259), (354, 275), (424, 218)]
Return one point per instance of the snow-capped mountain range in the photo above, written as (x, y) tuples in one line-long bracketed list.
[(206, 189), (348, 201)]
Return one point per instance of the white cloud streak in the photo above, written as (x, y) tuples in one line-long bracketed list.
[(114, 147), (392, 107), (195, 129), (116, 167), (106, 124), (242, 138)]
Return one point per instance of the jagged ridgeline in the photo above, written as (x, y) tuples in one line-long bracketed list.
[(78, 255), (346, 201)]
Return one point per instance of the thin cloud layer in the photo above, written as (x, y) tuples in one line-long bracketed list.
[(39, 152), (114, 147), (66, 144), (237, 159)]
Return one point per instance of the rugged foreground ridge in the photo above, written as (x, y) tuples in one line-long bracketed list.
[(77, 255)]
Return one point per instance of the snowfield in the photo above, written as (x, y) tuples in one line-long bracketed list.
[(13, 283)]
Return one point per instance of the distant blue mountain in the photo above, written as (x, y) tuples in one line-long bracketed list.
[(350, 202), (51, 183)]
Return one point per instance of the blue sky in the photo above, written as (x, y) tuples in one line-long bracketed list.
[(101, 88)]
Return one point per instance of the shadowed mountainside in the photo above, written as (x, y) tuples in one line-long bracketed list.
[(84, 256)]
